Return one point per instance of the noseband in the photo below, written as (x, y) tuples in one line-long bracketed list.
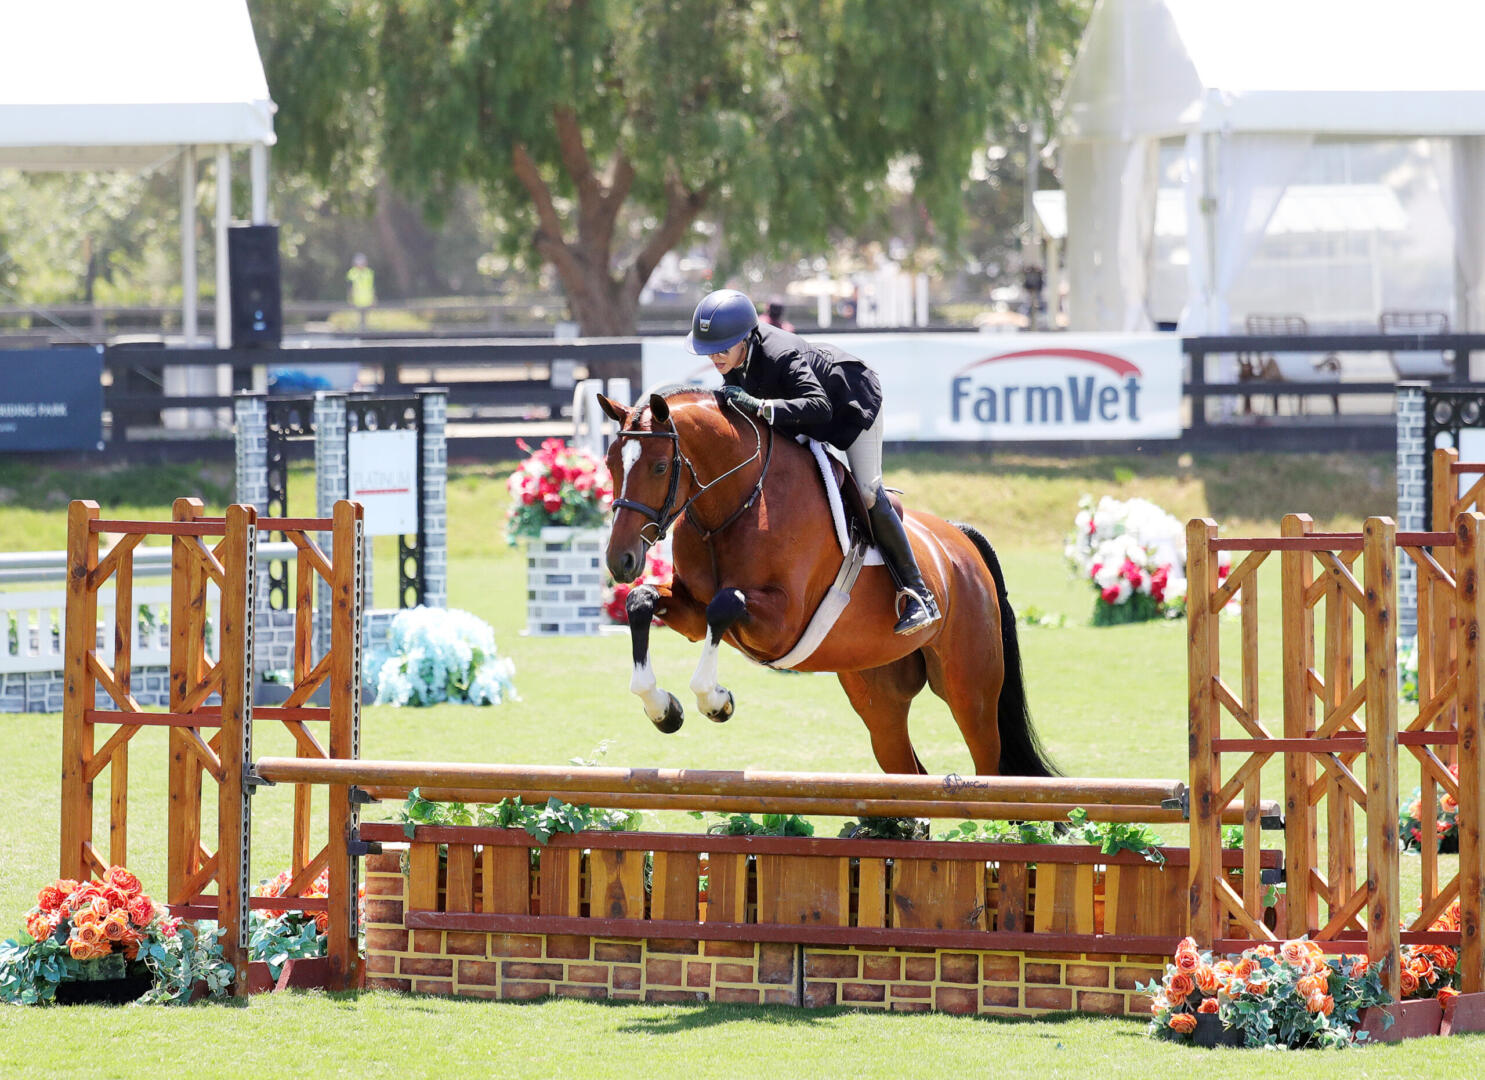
[(662, 519)]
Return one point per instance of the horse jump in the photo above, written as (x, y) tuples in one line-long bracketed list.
[(779, 907)]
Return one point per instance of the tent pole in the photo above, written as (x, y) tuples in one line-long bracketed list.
[(259, 165), (188, 243), (1211, 143), (224, 218)]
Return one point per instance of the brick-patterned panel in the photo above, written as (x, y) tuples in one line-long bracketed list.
[(961, 981), (526, 966)]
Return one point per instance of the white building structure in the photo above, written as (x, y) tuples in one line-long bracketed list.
[(1240, 99)]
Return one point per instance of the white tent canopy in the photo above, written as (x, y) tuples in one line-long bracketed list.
[(1249, 85), (103, 84)]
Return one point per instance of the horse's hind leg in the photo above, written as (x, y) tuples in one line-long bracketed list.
[(969, 682), (881, 697)]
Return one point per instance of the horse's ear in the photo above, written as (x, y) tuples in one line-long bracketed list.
[(613, 410), (659, 408)]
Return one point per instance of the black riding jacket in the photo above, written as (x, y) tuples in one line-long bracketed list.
[(817, 390)]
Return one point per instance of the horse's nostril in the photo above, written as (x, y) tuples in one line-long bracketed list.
[(628, 563)]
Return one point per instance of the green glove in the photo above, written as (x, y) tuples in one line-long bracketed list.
[(742, 400)]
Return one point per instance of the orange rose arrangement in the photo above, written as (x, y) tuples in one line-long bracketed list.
[(102, 931), (278, 936), (1442, 831), (1287, 994)]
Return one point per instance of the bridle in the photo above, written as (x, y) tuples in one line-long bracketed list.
[(662, 519)]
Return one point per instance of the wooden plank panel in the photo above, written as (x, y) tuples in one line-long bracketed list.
[(675, 884), (1470, 582), (796, 889), (1064, 899), (871, 892), (80, 691), (561, 881), (118, 806), (1012, 879), (422, 877), (505, 880), (726, 889), (187, 623), (459, 890), (1384, 909), (618, 884), (347, 603), (1203, 723), (933, 894)]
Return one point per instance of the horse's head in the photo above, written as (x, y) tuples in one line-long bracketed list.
[(648, 485), (653, 473)]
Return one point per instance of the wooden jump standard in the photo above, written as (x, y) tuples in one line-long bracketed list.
[(209, 739), (1334, 716)]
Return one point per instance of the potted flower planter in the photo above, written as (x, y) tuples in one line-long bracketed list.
[(1210, 1032), (564, 582), (103, 991)]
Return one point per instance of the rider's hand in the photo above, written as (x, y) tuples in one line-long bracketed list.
[(742, 400)]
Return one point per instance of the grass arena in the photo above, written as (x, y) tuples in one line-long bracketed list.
[(704, 933)]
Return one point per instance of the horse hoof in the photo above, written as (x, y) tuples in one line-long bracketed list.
[(724, 714), (673, 718)]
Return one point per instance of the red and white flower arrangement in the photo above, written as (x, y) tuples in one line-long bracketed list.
[(658, 571), (1133, 554), (556, 485)]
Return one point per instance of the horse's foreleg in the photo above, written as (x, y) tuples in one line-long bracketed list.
[(661, 706), (713, 700)]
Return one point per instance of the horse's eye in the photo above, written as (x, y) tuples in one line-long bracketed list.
[(660, 467)]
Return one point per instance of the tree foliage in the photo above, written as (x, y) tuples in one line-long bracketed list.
[(783, 122)]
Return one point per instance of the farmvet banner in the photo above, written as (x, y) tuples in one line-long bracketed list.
[(1000, 387), (51, 399)]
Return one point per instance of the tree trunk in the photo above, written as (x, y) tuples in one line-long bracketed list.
[(599, 304)]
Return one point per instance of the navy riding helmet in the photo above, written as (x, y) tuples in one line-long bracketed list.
[(722, 319)]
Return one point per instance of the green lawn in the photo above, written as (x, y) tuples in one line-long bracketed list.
[(1109, 702)]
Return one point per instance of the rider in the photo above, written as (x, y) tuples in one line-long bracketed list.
[(824, 393)]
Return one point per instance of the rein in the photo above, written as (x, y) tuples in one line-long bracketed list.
[(662, 519)]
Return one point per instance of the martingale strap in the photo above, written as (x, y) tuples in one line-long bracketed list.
[(834, 603)]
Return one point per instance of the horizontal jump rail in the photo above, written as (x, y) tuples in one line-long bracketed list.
[(938, 789)]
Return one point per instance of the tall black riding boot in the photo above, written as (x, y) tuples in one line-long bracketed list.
[(914, 600)]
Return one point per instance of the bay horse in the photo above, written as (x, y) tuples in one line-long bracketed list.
[(755, 552)]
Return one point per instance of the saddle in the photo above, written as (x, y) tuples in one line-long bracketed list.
[(858, 519)]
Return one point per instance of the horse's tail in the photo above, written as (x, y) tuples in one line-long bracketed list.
[(1021, 751)]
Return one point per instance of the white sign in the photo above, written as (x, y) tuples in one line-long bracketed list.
[(383, 478), (997, 388)]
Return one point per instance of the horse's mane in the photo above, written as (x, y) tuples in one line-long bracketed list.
[(670, 390)]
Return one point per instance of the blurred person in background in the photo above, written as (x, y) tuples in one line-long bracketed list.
[(361, 280), (773, 315)]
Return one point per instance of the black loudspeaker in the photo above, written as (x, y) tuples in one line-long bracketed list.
[(253, 278)]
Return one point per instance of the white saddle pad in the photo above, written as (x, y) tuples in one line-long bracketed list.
[(837, 505)]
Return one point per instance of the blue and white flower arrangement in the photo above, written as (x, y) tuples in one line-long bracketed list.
[(438, 655)]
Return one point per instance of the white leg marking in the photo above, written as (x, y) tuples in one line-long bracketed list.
[(710, 698), (643, 683)]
